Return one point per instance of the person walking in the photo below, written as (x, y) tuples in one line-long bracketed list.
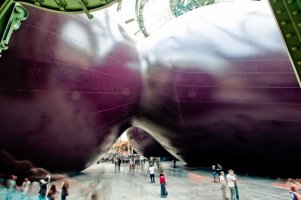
[(116, 163), (43, 187), (132, 167), (231, 180), (295, 195), (223, 184), (25, 188), (152, 173), (213, 168), (218, 169), (119, 163), (174, 163), (158, 163), (163, 185), (64, 191), (235, 186), (52, 193), (11, 187)]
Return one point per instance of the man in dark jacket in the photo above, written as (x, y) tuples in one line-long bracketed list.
[(43, 187)]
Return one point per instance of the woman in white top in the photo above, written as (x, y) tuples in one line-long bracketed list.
[(25, 188), (231, 184)]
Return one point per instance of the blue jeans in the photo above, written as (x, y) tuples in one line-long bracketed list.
[(163, 190), (232, 193), (236, 190), (152, 177)]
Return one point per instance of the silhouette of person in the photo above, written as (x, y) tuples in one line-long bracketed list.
[(52, 192), (231, 184), (43, 187), (11, 186), (152, 173), (64, 191), (25, 188), (163, 185)]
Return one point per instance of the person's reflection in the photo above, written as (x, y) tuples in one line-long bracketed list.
[(43, 187), (11, 187)]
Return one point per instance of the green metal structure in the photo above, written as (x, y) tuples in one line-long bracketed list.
[(180, 7), (139, 8), (12, 13), (69, 6), (288, 16)]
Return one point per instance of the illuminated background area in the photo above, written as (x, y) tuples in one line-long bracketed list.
[(144, 17)]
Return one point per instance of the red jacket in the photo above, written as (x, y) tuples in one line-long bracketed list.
[(162, 180)]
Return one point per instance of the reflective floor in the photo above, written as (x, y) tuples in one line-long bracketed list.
[(182, 184)]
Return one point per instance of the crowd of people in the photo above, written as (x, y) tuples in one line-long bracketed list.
[(43, 192), (230, 181), (48, 191), (137, 163)]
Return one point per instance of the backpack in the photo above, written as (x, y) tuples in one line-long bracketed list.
[(295, 196)]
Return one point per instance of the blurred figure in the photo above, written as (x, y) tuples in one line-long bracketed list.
[(43, 187), (291, 182), (163, 185), (223, 184), (137, 162), (119, 163), (11, 187), (52, 193), (64, 192), (295, 195), (174, 163), (93, 188), (235, 186), (94, 196), (231, 184), (116, 163), (213, 167), (158, 163), (25, 188), (131, 164), (152, 173), (218, 169)]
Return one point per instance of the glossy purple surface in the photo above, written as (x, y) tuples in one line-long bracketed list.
[(216, 85), (220, 88), (67, 86)]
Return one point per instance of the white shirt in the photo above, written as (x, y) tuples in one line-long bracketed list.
[(152, 170), (222, 179), (231, 179), (11, 184), (25, 187)]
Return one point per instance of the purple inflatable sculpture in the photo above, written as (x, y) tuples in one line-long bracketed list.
[(214, 85)]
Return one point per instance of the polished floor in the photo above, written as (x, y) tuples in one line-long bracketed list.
[(182, 184)]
